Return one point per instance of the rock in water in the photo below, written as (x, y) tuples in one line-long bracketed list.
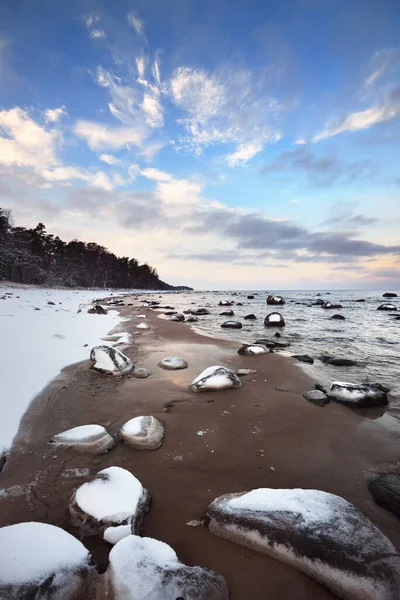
[(250, 317), (338, 317), (304, 358), (274, 319), (109, 360), (316, 397), (143, 433), (275, 300), (43, 562), (225, 303), (389, 295), (227, 313), (215, 379), (357, 395), (318, 533), (146, 569), (172, 363), (232, 325), (253, 349), (192, 320), (179, 317), (200, 311), (92, 439), (112, 505), (391, 307), (385, 490)]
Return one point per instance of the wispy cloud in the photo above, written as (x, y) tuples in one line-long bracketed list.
[(382, 62), (52, 115), (110, 159), (135, 22)]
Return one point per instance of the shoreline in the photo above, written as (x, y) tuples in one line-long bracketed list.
[(255, 436)]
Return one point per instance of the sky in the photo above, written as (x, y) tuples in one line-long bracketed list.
[(230, 144)]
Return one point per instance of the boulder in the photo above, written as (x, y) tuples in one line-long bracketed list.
[(43, 562), (282, 344), (3, 457), (391, 307), (360, 300), (215, 379), (92, 439), (97, 310), (146, 569), (251, 349), (329, 305), (143, 433), (200, 311), (178, 317), (303, 358), (319, 302), (389, 295), (143, 326), (225, 303), (141, 372), (338, 317), (274, 319), (192, 320), (109, 360), (250, 297), (239, 304), (266, 342), (385, 489), (250, 317), (227, 313), (275, 300), (232, 325), (169, 313), (321, 534), (243, 372), (357, 395), (316, 397), (321, 388), (341, 362), (173, 363), (113, 505)]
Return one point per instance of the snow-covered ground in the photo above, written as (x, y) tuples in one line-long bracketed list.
[(37, 344)]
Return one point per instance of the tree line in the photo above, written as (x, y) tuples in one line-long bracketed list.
[(33, 256)]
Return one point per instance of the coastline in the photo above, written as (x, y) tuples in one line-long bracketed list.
[(255, 436)]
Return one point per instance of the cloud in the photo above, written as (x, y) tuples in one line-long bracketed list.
[(135, 22), (345, 217), (97, 33), (156, 175), (382, 62), (90, 22), (110, 159), (103, 137), (62, 174), (53, 115), (244, 153), (152, 108)]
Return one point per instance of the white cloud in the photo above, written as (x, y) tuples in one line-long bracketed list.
[(382, 62), (63, 174), (140, 65), (102, 181), (97, 33), (136, 23), (103, 137), (53, 115), (133, 172), (156, 175), (245, 152), (110, 159), (153, 110)]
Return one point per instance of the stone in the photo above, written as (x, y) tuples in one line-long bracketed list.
[(173, 363), (143, 433), (225, 303), (239, 304), (109, 360), (266, 342), (251, 349), (178, 317), (227, 313), (147, 569), (50, 303), (341, 362), (141, 372), (360, 300), (338, 317), (200, 311), (215, 378), (316, 397), (42, 562), (91, 439), (143, 326), (329, 305), (357, 395), (112, 505), (303, 358), (244, 372), (3, 457), (232, 325), (385, 490), (250, 317), (279, 344), (391, 307), (321, 388), (97, 310), (250, 297), (389, 295), (275, 300), (274, 319), (319, 533), (192, 320)]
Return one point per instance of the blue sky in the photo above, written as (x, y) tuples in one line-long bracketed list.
[(229, 144)]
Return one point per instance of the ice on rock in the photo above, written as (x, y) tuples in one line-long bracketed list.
[(85, 438), (43, 562), (114, 498), (143, 326), (274, 319), (143, 433), (320, 534), (109, 360), (146, 569), (357, 395), (215, 379), (250, 349), (173, 363)]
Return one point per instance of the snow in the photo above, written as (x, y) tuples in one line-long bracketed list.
[(112, 361), (113, 535), (53, 337), (112, 498), (351, 392), (34, 551), (211, 379), (133, 427), (275, 317), (81, 433), (142, 326)]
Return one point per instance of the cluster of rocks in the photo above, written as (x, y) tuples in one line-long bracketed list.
[(353, 395)]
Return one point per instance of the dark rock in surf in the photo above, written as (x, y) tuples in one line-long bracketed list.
[(320, 387), (97, 310), (232, 325), (338, 317), (274, 319), (357, 395), (385, 490), (316, 397), (275, 300), (391, 307), (250, 317), (303, 358), (389, 295), (250, 297), (225, 303), (200, 311), (227, 313), (361, 300), (253, 349)]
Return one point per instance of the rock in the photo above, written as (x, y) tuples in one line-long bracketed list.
[(192, 320), (146, 569), (275, 300), (143, 326), (324, 357), (92, 439), (143, 433), (282, 344), (97, 310), (265, 342), (379, 386), (178, 317), (329, 305), (215, 379), (357, 395), (253, 349), (320, 534), (316, 397), (319, 302), (389, 295), (391, 307), (341, 362), (51, 303), (109, 360), (385, 490), (320, 387), (304, 358), (113, 505), (170, 313), (274, 319), (239, 304), (227, 313), (200, 311), (243, 372), (173, 363), (338, 317), (360, 300), (232, 325), (43, 562), (250, 317), (141, 372), (250, 297), (225, 303), (3, 457)]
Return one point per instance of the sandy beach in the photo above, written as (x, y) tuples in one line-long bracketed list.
[(261, 435)]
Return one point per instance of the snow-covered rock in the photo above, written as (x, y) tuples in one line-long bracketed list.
[(173, 363), (243, 372), (200, 311), (225, 303), (43, 562), (215, 379), (109, 360), (392, 307), (318, 533), (232, 325), (92, 439), (357, 395), (227, 313), (274, 319), (146, 569), (253, 349), (275, 300), (143, 326), (141, 372), (143, 433), (112, 505)]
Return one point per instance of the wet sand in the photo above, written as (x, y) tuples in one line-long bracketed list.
[(256, 436)]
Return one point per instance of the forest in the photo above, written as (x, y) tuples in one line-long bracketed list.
[(33, 256)]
